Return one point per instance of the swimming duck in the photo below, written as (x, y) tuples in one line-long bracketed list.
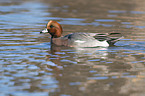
[(79, 39)]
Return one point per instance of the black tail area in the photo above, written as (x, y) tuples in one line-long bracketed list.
[(111, 38)]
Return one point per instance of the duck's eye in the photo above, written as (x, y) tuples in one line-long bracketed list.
[(51, 26)]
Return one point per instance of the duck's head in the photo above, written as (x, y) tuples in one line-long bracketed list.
[(53, 28)]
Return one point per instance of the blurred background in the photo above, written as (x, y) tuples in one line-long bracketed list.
[(30, 66)]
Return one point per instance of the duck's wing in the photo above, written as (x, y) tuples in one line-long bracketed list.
[(79, 36), (111, 38), (81, 39), (92, 39)]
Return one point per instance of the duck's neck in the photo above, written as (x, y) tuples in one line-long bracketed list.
[(53, 38), (57, 41)]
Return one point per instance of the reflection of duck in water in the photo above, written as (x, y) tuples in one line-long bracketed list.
[(78, 50), (75, 55), (79, 39)]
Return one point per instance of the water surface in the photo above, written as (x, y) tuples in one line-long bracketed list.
[(29, 65)]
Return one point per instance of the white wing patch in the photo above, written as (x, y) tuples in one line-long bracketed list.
[(79, 41)]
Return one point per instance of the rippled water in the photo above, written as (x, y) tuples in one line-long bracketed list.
[(29, 65)]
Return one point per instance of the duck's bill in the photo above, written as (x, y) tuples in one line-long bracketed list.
[(44, 31)]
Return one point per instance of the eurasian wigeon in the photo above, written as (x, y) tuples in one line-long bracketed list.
[(79, 39)]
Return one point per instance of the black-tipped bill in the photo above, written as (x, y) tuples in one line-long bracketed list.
[(44, 31)]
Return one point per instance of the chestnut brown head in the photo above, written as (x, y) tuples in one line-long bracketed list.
[(53, 28)]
